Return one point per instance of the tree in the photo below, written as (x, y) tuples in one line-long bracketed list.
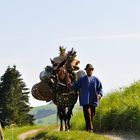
[(14, 99)]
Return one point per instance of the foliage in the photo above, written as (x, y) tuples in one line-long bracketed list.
[(120, 110), (12, 132), (14, 99), (117, 111), (53, 134), (77, 121), (62, 51)]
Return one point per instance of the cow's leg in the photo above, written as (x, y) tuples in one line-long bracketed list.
[(68, 120), (61, 125), (65, 118), (69, 115), (66, 127), (60, 115)]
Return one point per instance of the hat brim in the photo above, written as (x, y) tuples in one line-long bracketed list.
[(89, 68)]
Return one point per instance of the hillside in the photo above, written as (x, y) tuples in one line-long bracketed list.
[(118, 114), (117, 111), (45, 114)]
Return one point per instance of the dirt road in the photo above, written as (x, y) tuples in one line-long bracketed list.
[(122, 137), (23, 136)]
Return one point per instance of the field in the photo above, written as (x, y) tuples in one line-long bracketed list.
[(118, 112)]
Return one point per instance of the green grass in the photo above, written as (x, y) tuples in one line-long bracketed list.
[(52, 119), (11, 133), (54, 134), (119, 107), (74, 135), (118, 111), (51, 133), (77, 121)]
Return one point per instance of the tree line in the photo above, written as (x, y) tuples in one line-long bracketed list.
[(14, 99)]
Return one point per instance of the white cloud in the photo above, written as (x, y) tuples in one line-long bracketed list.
[(102, 37)]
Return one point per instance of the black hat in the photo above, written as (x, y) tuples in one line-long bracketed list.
[(89, 66)]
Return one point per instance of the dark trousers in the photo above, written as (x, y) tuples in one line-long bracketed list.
[(89, 112)]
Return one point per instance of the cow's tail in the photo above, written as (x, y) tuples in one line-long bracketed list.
[(57, 117)]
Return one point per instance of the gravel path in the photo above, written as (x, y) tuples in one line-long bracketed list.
[(113, 137), (26, 134), (122, 137)]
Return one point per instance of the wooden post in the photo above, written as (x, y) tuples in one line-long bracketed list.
[(1, 133)]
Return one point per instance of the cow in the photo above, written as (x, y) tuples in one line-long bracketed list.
[(64, 97), (54, 85)]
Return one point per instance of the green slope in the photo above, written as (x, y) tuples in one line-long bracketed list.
[(47, 114), (47, 106), (118, 111), (44, 114)]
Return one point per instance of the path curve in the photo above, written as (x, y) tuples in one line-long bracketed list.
[(113, 137), (122, 136), (24, 135)]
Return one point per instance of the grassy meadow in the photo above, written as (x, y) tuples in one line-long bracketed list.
[(12, 132), (53, 134), (50, 133), (119, 111)]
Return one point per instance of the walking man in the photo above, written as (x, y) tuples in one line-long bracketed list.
[(90, 92)]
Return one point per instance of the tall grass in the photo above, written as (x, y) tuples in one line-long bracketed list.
[(77, 121), (12, 132), (48, 132), (118, 110), (53, 134), (74, 135)]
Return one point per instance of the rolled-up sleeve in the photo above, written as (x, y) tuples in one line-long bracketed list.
[(77, 85)]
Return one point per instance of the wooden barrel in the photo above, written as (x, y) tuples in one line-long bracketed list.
[(42, 91)]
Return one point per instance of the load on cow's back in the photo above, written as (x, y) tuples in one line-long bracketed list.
[(54, 84)]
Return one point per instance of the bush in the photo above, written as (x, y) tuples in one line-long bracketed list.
[(118, 110)]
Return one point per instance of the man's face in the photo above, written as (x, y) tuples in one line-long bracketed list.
[(89, 71)]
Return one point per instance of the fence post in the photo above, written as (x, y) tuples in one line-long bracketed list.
[(1, 133)]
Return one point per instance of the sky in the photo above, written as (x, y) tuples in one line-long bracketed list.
[(105, 33)]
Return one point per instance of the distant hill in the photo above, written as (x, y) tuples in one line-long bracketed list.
[(45, 114)]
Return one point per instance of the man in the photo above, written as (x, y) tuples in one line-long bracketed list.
[(90, 92)]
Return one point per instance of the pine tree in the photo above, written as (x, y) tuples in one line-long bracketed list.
[(14, 99)]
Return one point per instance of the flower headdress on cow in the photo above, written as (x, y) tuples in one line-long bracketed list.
[(68, 59)]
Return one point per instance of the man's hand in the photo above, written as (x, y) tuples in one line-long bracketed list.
[(69, 85), (99, 97)]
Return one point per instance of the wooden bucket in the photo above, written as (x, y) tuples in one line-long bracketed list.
[(42, 91)]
